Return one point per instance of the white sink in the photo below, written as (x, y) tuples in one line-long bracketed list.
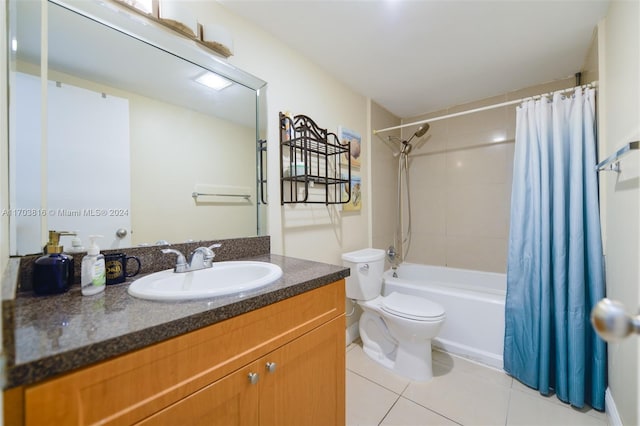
[(223, 278)]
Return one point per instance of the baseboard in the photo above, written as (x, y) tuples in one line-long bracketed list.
[(353, 333), (613, 417)]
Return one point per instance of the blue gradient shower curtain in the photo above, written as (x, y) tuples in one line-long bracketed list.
[(555, 268)]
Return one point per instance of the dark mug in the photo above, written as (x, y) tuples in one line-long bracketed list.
[(116, 267)]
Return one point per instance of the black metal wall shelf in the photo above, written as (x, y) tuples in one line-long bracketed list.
[(310, 158)]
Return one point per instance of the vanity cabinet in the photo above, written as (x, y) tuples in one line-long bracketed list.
[(294, 385), (283, 364)]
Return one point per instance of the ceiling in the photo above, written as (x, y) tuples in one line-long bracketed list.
[(415, 57)]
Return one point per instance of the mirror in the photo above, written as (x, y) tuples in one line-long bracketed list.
[(133, 148)]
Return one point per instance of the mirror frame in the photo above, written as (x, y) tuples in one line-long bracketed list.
[(117, 16)]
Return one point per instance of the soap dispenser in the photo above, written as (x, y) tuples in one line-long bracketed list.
[(93, 278), (53, 272), (76, 246)]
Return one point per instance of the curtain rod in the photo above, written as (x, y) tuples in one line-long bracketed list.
[(443, 117)]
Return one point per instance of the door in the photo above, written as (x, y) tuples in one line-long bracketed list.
[(87, 153), (303, 383)]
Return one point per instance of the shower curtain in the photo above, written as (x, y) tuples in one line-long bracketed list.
[(555, 267)]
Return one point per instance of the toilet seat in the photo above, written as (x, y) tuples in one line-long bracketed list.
[(412, 307)]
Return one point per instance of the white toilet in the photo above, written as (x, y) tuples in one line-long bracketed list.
[(396, 330)]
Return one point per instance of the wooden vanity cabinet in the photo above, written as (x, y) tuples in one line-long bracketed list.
[(283, 364), (294, 385)]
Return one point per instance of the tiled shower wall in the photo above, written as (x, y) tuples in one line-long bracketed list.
[(460, 181)]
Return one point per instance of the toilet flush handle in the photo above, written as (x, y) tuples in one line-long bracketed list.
[(364, 268)]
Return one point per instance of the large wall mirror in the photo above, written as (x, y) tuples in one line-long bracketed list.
[(112, 133)]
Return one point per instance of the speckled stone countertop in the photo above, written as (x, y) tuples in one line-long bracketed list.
[(48, 335)]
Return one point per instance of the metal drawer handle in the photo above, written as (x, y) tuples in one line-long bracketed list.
[(253, 378)]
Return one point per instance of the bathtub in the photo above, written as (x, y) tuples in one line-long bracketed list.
[(473, 301)]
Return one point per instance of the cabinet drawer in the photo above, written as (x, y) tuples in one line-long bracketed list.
[(131, 387)]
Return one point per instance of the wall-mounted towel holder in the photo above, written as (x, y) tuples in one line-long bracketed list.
[(200, 194), (207, 190), (612, 162)]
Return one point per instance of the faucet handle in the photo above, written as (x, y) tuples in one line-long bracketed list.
[(181, 262), (208, 260)]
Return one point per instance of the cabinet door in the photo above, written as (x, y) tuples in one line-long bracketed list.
[(307, 383), (232, 400)]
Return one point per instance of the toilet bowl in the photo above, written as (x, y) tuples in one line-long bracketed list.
[(396, 330)]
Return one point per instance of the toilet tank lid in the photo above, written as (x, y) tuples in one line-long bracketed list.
[(364, 255)]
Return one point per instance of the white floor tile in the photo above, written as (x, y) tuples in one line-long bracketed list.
[(461, 391), (527, 409), (517, 386), (367, 402), (408, 413), (491, 375), (359, 362), (460, 396)]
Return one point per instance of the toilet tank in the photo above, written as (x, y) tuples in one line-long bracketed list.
[(367, 266)]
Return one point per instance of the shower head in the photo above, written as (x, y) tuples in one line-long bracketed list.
[(420, 132)]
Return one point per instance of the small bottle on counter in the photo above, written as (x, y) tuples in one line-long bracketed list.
[(76, 246), (93, 279)]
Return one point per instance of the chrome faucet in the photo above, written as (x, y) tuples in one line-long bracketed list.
[(394, 258), (200, 258)]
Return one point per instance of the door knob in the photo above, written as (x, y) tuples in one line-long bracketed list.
[(611, 322), (121, 233)]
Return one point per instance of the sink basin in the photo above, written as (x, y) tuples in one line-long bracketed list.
[(224, 278)]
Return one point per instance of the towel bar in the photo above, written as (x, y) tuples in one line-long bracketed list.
[(612, 163), (200, 194)]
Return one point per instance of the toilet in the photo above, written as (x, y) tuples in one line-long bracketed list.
[(396, 330)]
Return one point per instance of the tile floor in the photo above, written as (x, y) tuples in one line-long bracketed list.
[(460, 393)]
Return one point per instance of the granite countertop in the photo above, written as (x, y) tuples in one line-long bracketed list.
[(46, 336)]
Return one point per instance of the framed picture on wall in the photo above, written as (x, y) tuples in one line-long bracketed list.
[(347, 135), (355, 186)]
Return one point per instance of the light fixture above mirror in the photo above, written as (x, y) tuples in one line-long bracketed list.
[(177, 15)]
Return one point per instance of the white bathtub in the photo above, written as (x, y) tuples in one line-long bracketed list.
[(473, 301)]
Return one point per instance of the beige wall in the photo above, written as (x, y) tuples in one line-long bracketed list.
[(619, 120), (384, 177), (590, 67), (461, 184), (298, 85), (172, 150)]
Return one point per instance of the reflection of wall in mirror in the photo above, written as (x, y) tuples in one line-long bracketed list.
[(184, 147), (175, 149), (87, 163)]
